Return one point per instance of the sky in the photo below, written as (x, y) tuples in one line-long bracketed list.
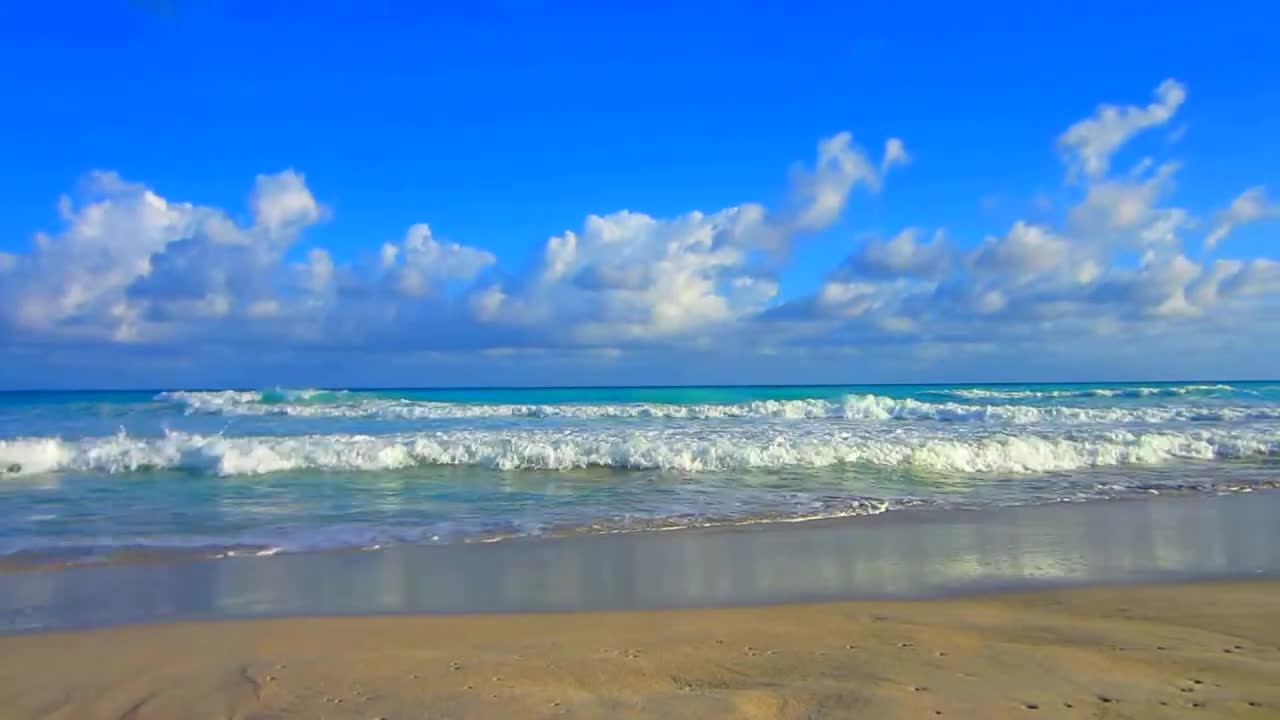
[(219, 193)]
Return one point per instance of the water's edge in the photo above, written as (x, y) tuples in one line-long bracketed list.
[(914, 554)]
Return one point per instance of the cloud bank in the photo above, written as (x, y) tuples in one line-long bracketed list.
[(131, 270)]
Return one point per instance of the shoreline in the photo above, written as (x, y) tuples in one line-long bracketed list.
[(50, 560), (1197, 649), (913, 554)]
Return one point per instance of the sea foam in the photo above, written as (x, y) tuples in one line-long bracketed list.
[(668, 450), (849, 407)]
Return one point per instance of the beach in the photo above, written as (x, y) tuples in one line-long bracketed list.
[(1138, 609), (1107, 551), (423, 361), (1185, 649)]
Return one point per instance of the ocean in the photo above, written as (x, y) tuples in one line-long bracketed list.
[(90, 477)]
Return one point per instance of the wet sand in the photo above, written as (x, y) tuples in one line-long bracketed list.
[(1166, 607), (895, 555), (1177, 650)]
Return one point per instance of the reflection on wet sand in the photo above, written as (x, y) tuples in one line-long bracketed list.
[(898, 554)]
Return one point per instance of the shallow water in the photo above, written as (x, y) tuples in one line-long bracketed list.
[(908, 554), (92, 476)]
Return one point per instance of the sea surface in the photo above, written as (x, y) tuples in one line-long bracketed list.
[(89, 477)]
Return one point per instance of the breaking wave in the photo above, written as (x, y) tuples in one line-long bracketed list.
[(667, 450), (343, 404), (995, 393)]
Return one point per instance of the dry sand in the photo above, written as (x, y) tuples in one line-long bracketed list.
[(1192, 649)]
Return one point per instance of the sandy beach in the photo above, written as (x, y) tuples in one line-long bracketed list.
[(1146, 651), (1141, 609), (515, 361)]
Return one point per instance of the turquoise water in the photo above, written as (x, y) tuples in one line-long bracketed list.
[(86, 476)]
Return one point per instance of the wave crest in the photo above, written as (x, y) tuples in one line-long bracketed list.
[(993, 393), (851, 407), (652, 450)]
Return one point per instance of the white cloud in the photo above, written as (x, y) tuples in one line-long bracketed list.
[(1157, 287), (1025, 250), (819, 195), (1205, 290), (1107, 260), (1120, 204), (133, 265), (850, 298), (1255, 277), (419, 263), (113, 229), (316, 274), (487, 303), (1251, 205), (1088, 145), (1125, 213), (282, 204), (902, 255), (629, 276), (895, 153)]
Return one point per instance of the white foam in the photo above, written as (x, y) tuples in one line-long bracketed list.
[(810, 445), (31, 455), (995, 393), (850, 407)]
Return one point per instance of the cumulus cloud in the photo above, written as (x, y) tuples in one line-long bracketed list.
[(1116, 265), (1128, 206), (902, 256), (1025, 250), (1088, 145), (117, 232), (419, 263), (130, 267), (282, 204), (133, 265), (629, 276)]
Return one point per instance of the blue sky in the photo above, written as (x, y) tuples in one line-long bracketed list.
[(290, 144)]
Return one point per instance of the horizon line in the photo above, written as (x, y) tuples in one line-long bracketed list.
[(378, 388)]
